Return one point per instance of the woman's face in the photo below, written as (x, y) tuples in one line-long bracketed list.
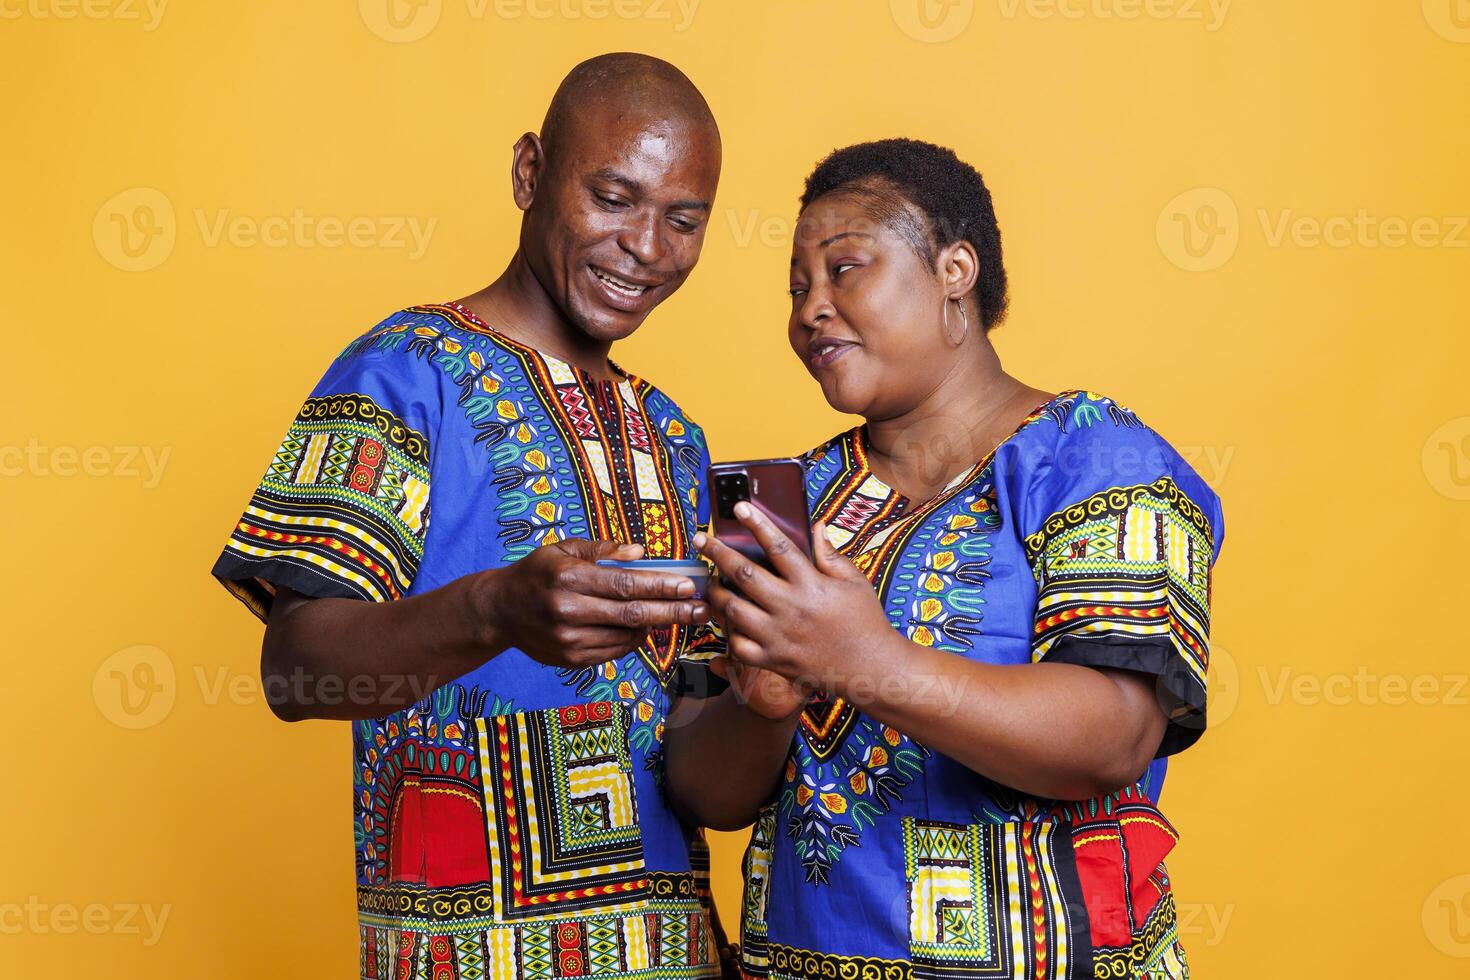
[(865, 310)]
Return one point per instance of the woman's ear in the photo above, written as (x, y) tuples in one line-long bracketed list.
[(526, 166), (959, 268)]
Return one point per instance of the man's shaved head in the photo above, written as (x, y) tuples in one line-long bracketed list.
[(625, 83), (617, 190)]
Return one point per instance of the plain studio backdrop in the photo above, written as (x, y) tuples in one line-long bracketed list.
[(1245, 220)]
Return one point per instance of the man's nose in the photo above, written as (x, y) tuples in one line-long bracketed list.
[(643, 239)]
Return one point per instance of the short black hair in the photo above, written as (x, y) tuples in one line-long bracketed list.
[(948, 192)]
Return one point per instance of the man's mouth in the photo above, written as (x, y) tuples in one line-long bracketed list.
[(620, 287)]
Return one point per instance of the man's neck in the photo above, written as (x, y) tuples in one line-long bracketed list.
[(517, 305)]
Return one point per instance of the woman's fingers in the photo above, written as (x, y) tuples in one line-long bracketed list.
[(737, 571), (788, 560)]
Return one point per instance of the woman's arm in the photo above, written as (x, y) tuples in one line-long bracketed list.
[(724, 756), (1052, 730)]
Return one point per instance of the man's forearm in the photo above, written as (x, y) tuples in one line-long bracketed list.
[(723, 760), (347, 659)]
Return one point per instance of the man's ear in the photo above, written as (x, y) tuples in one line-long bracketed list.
[(527, 165), (959, 268)]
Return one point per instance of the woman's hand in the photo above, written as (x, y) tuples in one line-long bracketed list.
[(764, 692), (805, 622)]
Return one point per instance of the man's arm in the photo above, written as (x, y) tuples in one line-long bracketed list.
[(349, 659)]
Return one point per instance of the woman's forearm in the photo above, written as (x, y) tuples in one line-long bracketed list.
[(1059, 731), (723, 760)]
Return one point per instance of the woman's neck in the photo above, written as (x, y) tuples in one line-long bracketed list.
[(974, 408)]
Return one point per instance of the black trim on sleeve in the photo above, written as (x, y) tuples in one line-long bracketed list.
[(254, 582), (1180, 694)]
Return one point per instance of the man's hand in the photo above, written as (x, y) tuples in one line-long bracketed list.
[(764, 692), (563, 610)]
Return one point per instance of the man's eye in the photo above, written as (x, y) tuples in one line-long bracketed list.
[(684, 224), (610, 202)]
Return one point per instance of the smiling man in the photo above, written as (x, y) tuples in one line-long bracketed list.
[(423, 551)]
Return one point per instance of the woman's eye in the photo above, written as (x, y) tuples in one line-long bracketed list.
[(842, 267), (797, 292)]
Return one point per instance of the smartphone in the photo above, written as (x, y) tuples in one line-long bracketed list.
[(777, 486)]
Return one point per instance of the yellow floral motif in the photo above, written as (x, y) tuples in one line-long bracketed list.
[(476, 361), (923, 637), (803, 795), (489, 384), (546, 510), (834, 802), (930, 608), (859, 782), (625, 690), (542, 485), (891, 736), (536, 458), (451, 346), (506, 409), (943, 559), (523, 434), (933, 583), (645, 711), (676, 428)]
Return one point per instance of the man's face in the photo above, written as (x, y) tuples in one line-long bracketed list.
[(618, 216)]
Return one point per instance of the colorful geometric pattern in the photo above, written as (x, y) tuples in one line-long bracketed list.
[(563, 822), (987, 901), (1040, 550), (1128, 569), (498, 823), (345, 501)]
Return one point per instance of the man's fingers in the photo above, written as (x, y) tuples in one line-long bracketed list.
[(638, 613), (609, 582)]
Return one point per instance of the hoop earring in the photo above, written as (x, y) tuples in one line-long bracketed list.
[(964, 317)]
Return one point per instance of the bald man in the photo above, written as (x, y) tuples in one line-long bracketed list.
[(508, 694)]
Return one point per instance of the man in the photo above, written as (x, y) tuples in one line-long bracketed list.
[(508, 694)]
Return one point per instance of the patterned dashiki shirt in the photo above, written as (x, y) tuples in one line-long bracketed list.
[(511, 825), (1083, 539)]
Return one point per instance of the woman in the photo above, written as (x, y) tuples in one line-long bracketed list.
[(1005, 625)]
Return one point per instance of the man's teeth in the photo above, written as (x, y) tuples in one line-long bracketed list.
[(619, 285)]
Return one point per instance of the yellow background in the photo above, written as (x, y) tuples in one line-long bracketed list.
[(1319, 385)]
